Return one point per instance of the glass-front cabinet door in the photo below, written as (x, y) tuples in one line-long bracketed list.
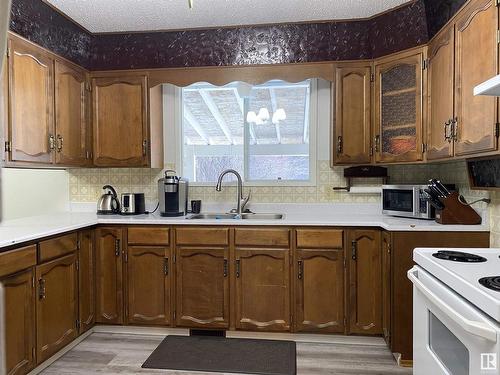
[(398, 109)]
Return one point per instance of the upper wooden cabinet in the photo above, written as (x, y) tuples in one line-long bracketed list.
[(31, 104), (48, 107), (476, 61), (71, 115), (123, 133), (441, 84), (365, 281), (352, 120), (398, 107)]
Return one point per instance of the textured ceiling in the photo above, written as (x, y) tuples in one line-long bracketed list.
[(147, 15)]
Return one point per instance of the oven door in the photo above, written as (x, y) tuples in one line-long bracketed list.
[(399, 201), (450, 335)]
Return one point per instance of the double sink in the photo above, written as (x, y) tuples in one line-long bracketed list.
[(235, 216)]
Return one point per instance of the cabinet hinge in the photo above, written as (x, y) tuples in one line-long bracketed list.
[(345, 263), (389, 248), (498, 36), (497, 128), (372, 77), (8, 52), (78, 244), (8, 146), (78, 324), (175, 314), (345, 321), (424, 147), (77, 265), (88, 86), (175, 258), (425, 64), (33, 281)]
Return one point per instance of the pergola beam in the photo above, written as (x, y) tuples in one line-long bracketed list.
[(274, 105), (196, 125), (207, 98), (239, 99)]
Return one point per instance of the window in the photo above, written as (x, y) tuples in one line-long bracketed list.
[(261, 131)]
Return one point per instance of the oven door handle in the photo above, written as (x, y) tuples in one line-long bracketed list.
[(476, 328)]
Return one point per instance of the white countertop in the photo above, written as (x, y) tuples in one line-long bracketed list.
[(336, 215)]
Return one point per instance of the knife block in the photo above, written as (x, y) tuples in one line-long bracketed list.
[(457, 213)]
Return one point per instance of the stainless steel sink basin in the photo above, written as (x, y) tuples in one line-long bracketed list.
[(245, 216)]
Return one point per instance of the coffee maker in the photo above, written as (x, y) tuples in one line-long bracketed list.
[(173, 194)]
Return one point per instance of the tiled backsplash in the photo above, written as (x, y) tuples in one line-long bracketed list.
[(86, 186)]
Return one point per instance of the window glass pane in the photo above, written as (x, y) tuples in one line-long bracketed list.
[(278, 129), (271, 119)]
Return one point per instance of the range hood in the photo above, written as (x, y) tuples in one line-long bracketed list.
[(489, 88)]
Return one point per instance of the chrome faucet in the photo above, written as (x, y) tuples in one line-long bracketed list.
[(241, 201)]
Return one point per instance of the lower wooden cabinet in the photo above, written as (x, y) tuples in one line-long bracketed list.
[(262, 289), (109, 275), (20, 314), (386, 286), (86, 281), (365, 282), (319, 290), (148, 285), (56, 306), (202, 287)]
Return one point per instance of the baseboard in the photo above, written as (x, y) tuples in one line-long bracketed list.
[(60, 353)]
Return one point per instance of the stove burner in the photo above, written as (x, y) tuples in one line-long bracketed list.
[(458, 256), (492, 283)]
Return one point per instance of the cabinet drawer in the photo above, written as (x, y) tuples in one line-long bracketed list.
[(148, 236), (202, 236), (17, 260), (57, 247), (320, 238), (262, 237)]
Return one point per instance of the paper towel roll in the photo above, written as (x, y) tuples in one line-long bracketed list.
[(366, 190)]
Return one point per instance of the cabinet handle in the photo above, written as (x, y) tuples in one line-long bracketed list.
[(52, 142), (144, 147), (376, 142), (165, 266), (354, 250), (225, 268), (60, 141), (41, 289), (300, 272), (238, 268), (340, 145), (117, 247), (446, 136)]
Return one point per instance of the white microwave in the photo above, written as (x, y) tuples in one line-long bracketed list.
[(406, 201)]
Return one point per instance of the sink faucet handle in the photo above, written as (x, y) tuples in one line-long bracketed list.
[(246, 199)]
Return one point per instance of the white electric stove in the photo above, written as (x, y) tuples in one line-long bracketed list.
[(456, 311)]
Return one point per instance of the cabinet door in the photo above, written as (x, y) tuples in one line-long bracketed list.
[(148, 280), (56, 307), (71, 115), (398, 109), (20, 318), (352, 115), (202, 287), (476, 62), (262, 289), (109, 276), (120, 121), (319, 301), (386, 286), (441, 86), (86, 280), (365, 282), (31, 85)]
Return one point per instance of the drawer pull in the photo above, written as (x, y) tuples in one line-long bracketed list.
[(165, 266), (354, 250), (41, 289), (117, 247), (238, 268), (225, 267)]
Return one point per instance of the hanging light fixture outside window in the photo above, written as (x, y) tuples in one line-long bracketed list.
[(190, 4), (279, 115), (263, 116)]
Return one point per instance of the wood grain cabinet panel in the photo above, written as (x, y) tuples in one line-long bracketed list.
[(56, 306), (262, 289), (86, 281), (476, 62), (399, 91), (365, 282), (109, 275), (120, 121), (148, 236), (386, 286), (320, 238), (148, 285), (17, 260), (57, 247), (202, 236), (279, 237), (71, 115), (20, 336), (441, 86), (319, 291), (352, 129), (31, 90), (202, 287)]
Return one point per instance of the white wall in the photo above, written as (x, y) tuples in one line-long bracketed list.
[(31, 192)]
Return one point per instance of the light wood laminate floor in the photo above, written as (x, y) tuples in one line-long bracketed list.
[(112, 353)]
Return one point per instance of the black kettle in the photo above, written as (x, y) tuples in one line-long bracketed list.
[(108, 204)]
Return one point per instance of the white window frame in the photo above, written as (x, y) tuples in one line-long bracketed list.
[(313, 152)]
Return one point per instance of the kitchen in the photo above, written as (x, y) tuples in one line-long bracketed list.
[(188, 188)]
